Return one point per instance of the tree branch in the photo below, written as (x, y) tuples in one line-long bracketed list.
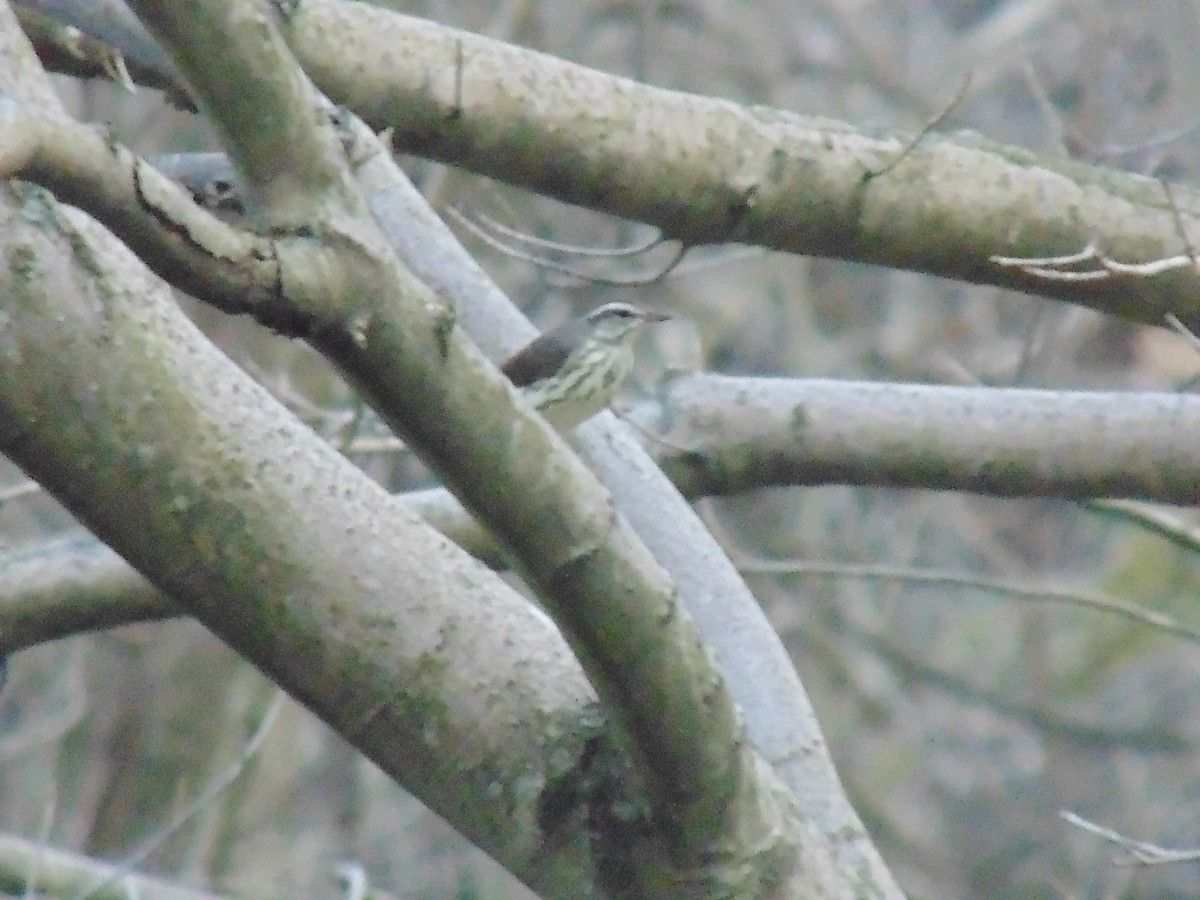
[(706, 170), (722, 435), (27, 866)]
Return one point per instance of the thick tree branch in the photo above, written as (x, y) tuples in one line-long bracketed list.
[(235, 270), (718, 435), (706, 170), (237, 511), (55, 589), (109, 21), (263, 112)]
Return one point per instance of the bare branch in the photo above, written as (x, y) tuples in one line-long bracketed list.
[(544, 262), (1016, 590), (928, 128), (1140, 852)]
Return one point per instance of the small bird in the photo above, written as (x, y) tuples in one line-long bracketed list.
[(573, 372)]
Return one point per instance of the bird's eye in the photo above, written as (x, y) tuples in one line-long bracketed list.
[(616, 312)]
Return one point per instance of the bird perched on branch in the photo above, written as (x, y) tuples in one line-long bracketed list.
[(573, 372)]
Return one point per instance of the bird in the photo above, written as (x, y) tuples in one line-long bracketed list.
[(572, 372)]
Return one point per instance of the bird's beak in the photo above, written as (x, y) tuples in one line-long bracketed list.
[(654, 316)]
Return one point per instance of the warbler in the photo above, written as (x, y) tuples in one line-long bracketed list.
[(574, 371)]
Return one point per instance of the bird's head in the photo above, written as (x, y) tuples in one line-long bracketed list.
[(616, 322)]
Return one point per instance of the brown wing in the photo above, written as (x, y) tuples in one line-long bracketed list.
[(541, 356)]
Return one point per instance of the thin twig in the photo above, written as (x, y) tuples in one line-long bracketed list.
[(1177, 215), (1140, 852), (1154, 142), (1140, 614), (1183, 331), (925, 130), (34, 875), (201, 801), (1049, 111), (562, 269), (1156, 521), (23, 489), (558, 247)]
